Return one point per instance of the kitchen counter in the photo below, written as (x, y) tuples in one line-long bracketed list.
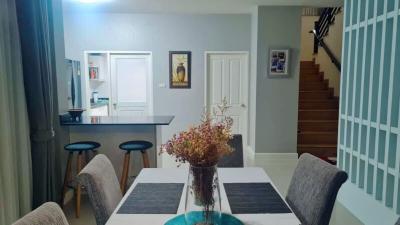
[(98, 104), (65, 120), (111, 131)]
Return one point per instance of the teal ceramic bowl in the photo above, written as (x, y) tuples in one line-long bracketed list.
[(226, 219)]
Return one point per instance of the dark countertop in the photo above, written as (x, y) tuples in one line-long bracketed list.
[(98, 104), (65, 120)]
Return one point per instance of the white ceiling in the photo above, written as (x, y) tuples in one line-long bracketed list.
[(187, 6)]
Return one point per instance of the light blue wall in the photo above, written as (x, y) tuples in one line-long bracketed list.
[(161, 33), (276, 106), (272, 104), (369, 130)]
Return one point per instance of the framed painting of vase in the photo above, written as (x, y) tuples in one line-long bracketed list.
[(180, 69)]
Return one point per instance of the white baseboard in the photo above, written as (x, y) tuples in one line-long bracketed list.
[(252, 158), (364, 206), (281, 159)]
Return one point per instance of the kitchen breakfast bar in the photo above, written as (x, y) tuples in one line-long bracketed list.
[(111, 131)]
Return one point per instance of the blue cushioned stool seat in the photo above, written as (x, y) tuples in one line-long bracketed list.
[(135, 145), (82, 146)]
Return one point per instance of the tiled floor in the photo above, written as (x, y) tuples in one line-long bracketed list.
[(280, 175)]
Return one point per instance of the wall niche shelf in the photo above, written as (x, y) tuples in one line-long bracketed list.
[(97, 79)]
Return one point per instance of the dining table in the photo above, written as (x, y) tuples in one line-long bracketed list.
[(136, 210)]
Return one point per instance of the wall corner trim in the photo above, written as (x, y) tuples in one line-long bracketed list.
[(248, 156)]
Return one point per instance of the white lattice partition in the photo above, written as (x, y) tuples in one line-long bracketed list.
[(369, 123)]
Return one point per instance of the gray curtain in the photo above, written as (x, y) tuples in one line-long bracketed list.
[(35, 22), (15, 152)]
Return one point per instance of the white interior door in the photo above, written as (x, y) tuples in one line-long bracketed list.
[(131, 84), (227, 77)]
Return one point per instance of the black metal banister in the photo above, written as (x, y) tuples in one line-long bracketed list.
[(321, 29), (333, 58)]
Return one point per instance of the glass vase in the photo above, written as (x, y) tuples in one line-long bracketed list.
[(203, 199)]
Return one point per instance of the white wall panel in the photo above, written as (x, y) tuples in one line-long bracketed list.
[(369, 149)]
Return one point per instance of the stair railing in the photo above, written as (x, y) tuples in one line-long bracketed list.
[(321, 29)]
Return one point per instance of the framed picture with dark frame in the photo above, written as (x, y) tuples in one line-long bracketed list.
[(180, 69), (278, 63)]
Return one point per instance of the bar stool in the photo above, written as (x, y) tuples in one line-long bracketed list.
[(129, 146), (79, 147)]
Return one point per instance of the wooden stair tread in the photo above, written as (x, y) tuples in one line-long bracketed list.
[(319, 110), (318, 121), (314, 91), (317, 145), (316, 99), (319, 102), (310, 72), (318, 132), (318, 113)]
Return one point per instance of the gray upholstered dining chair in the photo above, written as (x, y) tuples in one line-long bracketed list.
[(313, 190), (397, 222), (47, 214), (102, 186), (235, 159)]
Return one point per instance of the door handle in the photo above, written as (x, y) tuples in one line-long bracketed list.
[(243, 105)]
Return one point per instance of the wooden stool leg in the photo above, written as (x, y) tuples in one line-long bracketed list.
[(67, 177), (146, 163), (87, 158), (78, 186), (125, 171)]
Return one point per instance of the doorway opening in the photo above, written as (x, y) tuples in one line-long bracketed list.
[(321, 44), (227, 77)]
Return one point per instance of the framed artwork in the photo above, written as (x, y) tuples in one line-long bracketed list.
[(278, 63), (93, 72), (180, 69)]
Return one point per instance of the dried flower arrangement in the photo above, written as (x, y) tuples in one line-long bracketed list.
[(205, 144), (202, 147)]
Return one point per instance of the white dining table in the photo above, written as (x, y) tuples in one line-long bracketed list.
[(180, 175)]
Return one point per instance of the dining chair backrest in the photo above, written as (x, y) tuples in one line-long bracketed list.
[(102, 186), (313, 190), (235, 159), (47, 214)]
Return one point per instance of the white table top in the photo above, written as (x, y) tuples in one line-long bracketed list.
[(178, 175)]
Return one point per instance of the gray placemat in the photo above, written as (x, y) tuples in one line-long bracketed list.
[(253, 198), (153, 198)]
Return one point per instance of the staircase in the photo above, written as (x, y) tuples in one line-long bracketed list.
[(318, 114)]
